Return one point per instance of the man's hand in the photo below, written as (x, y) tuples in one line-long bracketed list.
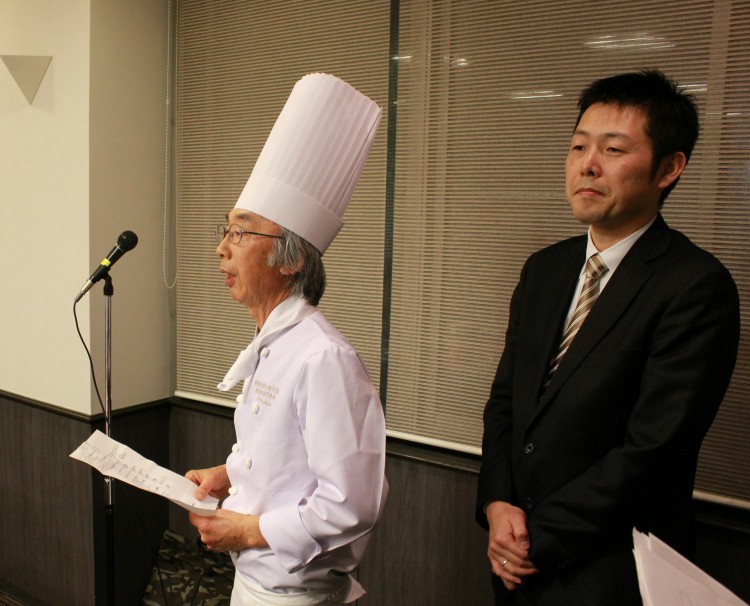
[(229, 530), (509, 543), (213, 481)]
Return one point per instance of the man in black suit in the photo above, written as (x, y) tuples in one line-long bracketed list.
[(586, 439)]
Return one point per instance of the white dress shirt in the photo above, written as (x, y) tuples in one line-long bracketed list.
[(611, 256)]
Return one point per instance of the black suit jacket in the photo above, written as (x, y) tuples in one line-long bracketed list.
[(613, 441)]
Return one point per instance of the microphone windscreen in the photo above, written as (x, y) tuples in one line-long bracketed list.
[(127, 241)]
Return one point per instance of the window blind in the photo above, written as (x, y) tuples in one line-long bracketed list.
[(237, 62), (487, 97), (485, 93)]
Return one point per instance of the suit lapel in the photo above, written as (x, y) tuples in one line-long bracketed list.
[(545, 307), (622, 288)]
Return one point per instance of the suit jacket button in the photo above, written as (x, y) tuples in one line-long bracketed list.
[(529, 448), (529, 503)]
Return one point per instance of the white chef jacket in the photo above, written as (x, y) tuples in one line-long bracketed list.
[(310, 453)]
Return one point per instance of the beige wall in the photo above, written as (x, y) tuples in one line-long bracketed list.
[(80, 165), (127, 160)]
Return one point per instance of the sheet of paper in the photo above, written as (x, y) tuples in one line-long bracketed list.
[(118, 461), (666, 578)]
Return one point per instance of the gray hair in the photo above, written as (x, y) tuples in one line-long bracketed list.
[(292, 251)]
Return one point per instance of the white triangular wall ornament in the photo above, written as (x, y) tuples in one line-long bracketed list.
[(28, 71)]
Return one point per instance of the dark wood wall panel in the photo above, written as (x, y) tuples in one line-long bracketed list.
[(202, 436), (52, 507), (427, 548), (139, 517), (46, 532), (426, 551), (723, 545)]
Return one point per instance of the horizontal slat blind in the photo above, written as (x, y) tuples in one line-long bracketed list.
[(487, 97), (237, 62), (720, 222), (486, 103)]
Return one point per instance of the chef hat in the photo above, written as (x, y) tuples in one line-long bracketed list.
[(310, 164)]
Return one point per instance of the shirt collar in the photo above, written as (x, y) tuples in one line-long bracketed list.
[(613, 255)]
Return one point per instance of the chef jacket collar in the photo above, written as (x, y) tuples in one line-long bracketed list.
[(289, 312)]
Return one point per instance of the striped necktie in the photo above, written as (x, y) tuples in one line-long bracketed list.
[(595, 269)]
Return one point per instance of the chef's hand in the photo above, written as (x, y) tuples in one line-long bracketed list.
[(213, 481), (229, 531)]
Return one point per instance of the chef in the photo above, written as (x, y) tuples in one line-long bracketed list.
[(304, 483)]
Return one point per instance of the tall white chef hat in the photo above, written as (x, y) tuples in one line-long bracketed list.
[(311, 162)]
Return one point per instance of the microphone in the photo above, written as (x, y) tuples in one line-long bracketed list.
[(125, 242)]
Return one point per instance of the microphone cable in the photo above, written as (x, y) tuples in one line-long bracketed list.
[(91, 363)]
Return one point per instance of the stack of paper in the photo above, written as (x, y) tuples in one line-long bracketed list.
[(666, 578)]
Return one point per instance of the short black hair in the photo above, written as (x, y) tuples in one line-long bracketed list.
[(671, 114)]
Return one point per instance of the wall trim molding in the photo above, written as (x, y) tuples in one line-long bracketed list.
[(215, 410), (79, 416), (51, 408)]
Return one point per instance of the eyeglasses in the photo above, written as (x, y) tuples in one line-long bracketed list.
[(235, 233)]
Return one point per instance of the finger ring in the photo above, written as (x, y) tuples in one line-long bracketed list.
[(503, 564), (505, 581)]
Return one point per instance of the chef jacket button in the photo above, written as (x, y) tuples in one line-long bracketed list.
[(256, 408), (529, 503), (248, 463), (233, 490), (264, 352), (236, 448), (529, 448)]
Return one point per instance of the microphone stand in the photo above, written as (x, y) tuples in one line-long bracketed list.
[(108, 481)]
